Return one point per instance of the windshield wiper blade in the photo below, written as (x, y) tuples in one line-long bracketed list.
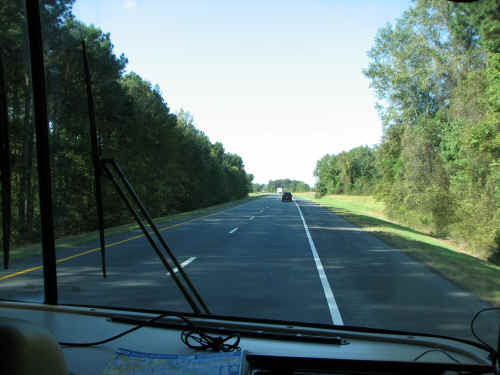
[(96, 155), (109, 173), (109, 167), (284, 335), (153, 226)]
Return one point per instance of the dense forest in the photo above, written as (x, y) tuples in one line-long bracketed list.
[(436, 74), (347, 172), (286, 184), (172, 165)]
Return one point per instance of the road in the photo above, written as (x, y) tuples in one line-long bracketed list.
[(268, 259)]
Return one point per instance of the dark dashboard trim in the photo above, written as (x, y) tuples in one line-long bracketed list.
[(290, 365)]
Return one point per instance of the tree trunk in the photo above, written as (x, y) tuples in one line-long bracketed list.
[(25, 191)]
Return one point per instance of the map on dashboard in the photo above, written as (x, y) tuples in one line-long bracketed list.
[(129, 362)]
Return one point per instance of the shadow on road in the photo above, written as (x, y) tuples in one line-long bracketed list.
[(468, 272), (397, 283)]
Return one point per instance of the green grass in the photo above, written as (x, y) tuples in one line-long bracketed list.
[(258, 194), (476, 275), (66, 242)]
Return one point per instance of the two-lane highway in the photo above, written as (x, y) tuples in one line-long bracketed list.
[(267, 259)]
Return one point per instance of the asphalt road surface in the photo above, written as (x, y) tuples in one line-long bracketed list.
[(266, 259)]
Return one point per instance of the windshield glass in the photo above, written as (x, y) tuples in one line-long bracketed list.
[(329, 162)]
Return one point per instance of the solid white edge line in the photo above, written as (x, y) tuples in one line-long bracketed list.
[(183, 264), (233, 230), (330, 298)]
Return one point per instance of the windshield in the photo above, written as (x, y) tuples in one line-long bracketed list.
[(380, 118)]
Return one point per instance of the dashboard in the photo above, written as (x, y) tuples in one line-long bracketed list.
[(269, 348)]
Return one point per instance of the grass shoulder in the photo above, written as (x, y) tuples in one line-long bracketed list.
[(260, 194), (480, 277), (23, 252)]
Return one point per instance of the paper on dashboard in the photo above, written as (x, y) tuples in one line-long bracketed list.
[(128, 362)]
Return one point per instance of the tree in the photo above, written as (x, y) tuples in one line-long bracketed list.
[(435, 73), (172, 165)]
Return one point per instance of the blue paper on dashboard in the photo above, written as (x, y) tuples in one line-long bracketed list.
[(138, 363)]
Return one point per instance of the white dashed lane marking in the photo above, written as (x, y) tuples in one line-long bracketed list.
[(183, 264)]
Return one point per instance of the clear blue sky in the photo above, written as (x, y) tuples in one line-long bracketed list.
[(278, 82)]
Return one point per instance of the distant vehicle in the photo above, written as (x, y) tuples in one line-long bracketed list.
[(287, 196)]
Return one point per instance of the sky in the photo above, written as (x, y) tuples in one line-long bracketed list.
[(279, 83)]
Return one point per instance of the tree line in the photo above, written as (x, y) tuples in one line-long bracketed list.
[(172, 165), (286, 184), (436, 74), (347, 172)]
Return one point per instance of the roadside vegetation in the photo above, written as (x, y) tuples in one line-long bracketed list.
[(286, 184), (173, 166), (436, 74), (478, 276), (259, 194)]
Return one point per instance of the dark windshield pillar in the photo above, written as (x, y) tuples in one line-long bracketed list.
[(42, 148)]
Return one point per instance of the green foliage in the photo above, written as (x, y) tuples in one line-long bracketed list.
[(287, 185), (348, 172), (259, 188), (436, 73), (172, 165)]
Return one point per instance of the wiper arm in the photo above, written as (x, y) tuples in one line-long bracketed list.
[(109, 167), (109, 174), (146, 214), (96, 156), (258, 332)]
